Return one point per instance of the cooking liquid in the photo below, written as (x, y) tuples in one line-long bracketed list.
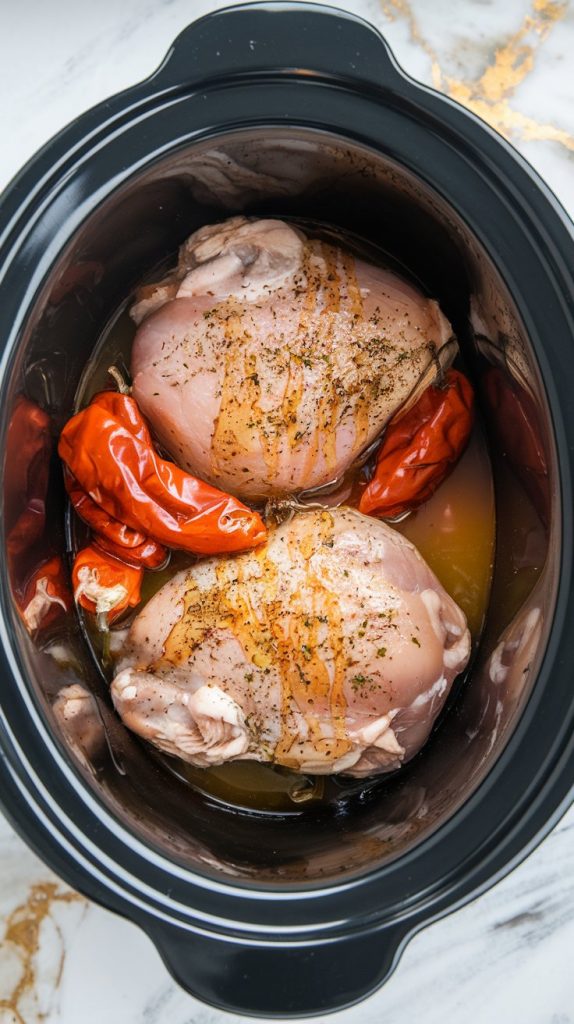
[(454, 532)]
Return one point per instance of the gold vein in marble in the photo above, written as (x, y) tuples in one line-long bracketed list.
[(22, 936), (488, 96)]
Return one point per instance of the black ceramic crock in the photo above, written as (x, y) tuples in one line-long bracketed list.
[(298, 110)]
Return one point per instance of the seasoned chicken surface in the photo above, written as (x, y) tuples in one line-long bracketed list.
[(330, 649), (267, 362)]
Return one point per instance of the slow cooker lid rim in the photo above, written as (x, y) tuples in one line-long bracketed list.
[(554, 247), (534, 207)]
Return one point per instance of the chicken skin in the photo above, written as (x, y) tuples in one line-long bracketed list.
[(267, 362), (332, 648)]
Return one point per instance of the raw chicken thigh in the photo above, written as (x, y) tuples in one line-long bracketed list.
[(330, 649), (267, 362)]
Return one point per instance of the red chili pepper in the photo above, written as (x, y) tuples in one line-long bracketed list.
[(108, 449), (100, 521), (114, 537), (46, 595), (149, 554), (420, 448), (28, 449), (104, 585), (519, 434)]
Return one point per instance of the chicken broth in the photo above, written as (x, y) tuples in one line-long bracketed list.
[(454, 532)]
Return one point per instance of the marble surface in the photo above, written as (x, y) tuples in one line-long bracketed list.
[(506, 957)]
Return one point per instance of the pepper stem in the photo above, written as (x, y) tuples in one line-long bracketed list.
[(119, 380), (282, 510), (439, 379), (442, 358), (102, 624)]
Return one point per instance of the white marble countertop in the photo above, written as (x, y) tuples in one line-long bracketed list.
[(506, 957)]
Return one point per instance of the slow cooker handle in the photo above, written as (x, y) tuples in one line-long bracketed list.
[(278, 980), (279, 39)]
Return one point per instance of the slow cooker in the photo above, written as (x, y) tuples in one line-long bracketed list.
[(298, 110)]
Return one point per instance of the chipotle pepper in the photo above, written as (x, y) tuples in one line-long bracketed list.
[(114, 537), (103, 585), (149, 554), (100, 521), (28, 448), (109, 451), (46, 595), (421, 448)]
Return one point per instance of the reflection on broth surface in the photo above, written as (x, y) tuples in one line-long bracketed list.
[(454, 532)]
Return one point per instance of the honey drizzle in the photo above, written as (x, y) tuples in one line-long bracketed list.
[(356, 310), (354, 297), (327, 605), (294, 640), (296, 373), (242, 425), (342, 292), (304, 671), (328, 412), (289, 640), (225, 606), (240, 393)]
